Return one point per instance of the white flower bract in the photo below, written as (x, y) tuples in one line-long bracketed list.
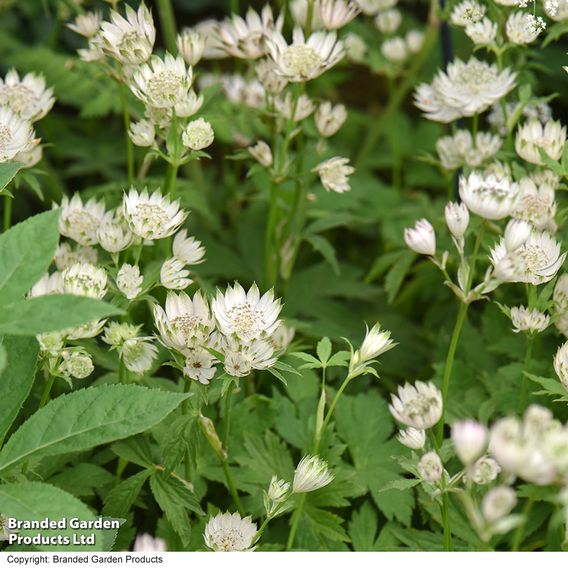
[(418, 406), (311, 474), (228, 532)]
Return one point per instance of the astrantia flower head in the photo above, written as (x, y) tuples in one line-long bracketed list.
[(335, 14), (533, 136), (418, 405), (484, 471), (66, 256), (198, 134), (329, 118), (46, 285), (282, 337), (414, 41), (242, 358), (521, 28), (152, 216), (388, 21), (355, 47), (412, 438), (428, 99), (421, 238), (138, 354), (76, 364), (188, 249), (430, 467), (129, 40), (268, 77), (334, 174), (531, 321), (482, 32), (199, 365), (174, 275), (394, 50), (536, 204), (560, 295), (129, 281), (561, 364), (191, 44), (497, 503), (469, 439), (466, 13), (457, 219), (16, 135), (488, 195), (147, 543), (142, 133), (294, 109), (516, 233), (162, 83), (84, 279), (28, 97), (81, 221), (228, 532), (304, 59), (376, 342), (262, 153), (311, 474), (113, 233), (117, 333), (87, 24), (371, 7), (460, 150)]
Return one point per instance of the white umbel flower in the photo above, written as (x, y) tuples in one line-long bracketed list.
[(28, 97), (533, 136), (185, 323), (376, 342), (16, 135), (355, 47), (76, 364), (457, 218), (199, 365), (488, 195), (174, 275), (262, 153), (412, 438), (536, 204), (388, 21), (66, 256), (247, 315), (142, 133), (561, 364), (460, 149), (188, 249), (498, 503), (162, 83), (483, 32), (430, 467), (152, 216), (148, 543), (241, 358), (129, 281), (329, 118), (292, 109), (466, 13), (87, 24), (138, 354), (532, 321), (129, 40), (421, 238), (113, 233), (335, 14), (470, 440), (304, 59), (198, 134), (311, 474), (117, 333), (191, 44), (334, 174), (81, 221), (418, 405), (414, 41), (520, 28), (394, 50), (228, 532), (84, 279)]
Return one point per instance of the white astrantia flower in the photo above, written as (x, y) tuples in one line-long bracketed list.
[(152, 216), (174, 275), (199, 365), (16, 135), (190, 105), (561, 364), (372, 7), (466, 13), (482, 32), (85, 330), (520, 29), (304, 59), (541, 112), (276, 496), (129, 281), (76, 364), (282, 337), (198, 134), (294, 109), (266, 73), (414, 41), (94, 52), (460, 149), (191, 45), (429, 100), (355, 47), (490, 196), (334, 174), (185, 323), (560, 294), (525, 319), (262, 153), (536, 204), (545, 177), (129, 40), (394, 50), (84, 279), (5, 532), (81, 221), (470, 440), (388, 21), (498, 503), (421, 238), (48, 284), (418, 405), (117, 333), (430, 467), (113, 233), (28, 97), (241, 358), (532, 137), (66, 256), (329, 118), (312, 473), (162, 83), (376, 342), (334, 14), (142, 133), (412, 438), (483, 471), (87, 24), (228, 532), (188, 249), (457, 219), (138, 354), (148, 543)]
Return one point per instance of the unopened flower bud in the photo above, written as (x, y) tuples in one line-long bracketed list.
[(561, 364), (430, 467), (497, 503), (311, 474), (412, 438), (198, 134), (129, 281), (142, 133), (76, 364), (470, 440), (208, 428), (484, 471), (422, 238), (262, 153), (516, 233), (457, 218), (191, 45)]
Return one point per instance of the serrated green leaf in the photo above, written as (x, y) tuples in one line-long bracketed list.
[(120, 499), (363, 528), (176, 443)]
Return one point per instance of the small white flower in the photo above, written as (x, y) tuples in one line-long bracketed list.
[(174, 275), (335, 14), (66, 256), (198, 134), (329, 118), (497, 503), (334, 174), (488, 195), (520, 28), (536, 204), (292, 109), (457, 219), (152, 216), (199, 365), (87, 24), (84, 279), (142, 133), (428, 99), (460, 149), (228, 532), (28, 97), (48, 284), (189, 105), (129, 40), (469, 439), (282, 337), (138, 354), (117, 333), (412, 438), (418, 405), (355, 47), (533, 136), (484, 471), (531, 321), (561, 364), (241, 358), (376, 343), (311, 474), (188, 249), (147, 543), (421, 238), (388, 21), (556, 10), (483, 32), (414, 41), (191, 45), (466, 13), (81, 221), (394, 50), (371, 7), (560, 294), (129, 281), (113, 233), (76, 364), (16, 135), (262, 153), (430, 467), (268, 77), (278, 489)]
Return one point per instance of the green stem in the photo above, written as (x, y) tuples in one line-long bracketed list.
[(523, 395), (170, 181), (126, 121), (295, 520), (232, 487), (270, 267), (262, 528), (445, 506), (518, 537), (331, 409), (7, 212), (46, 391), (168, 25), (228, 409)]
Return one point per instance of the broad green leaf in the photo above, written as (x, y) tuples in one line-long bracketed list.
[(88, 418), (26, 251), (136, 450), (31, 500), (363, 528), (83, 479), (52, 313), (324, 350), (396, 275), (17, 377), (3, 358), (8, 171), (121, 498)]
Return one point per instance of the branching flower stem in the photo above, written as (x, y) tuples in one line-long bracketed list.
[(126, 121)]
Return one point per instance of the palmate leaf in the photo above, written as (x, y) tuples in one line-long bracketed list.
[(363, 528), (87, 418)]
